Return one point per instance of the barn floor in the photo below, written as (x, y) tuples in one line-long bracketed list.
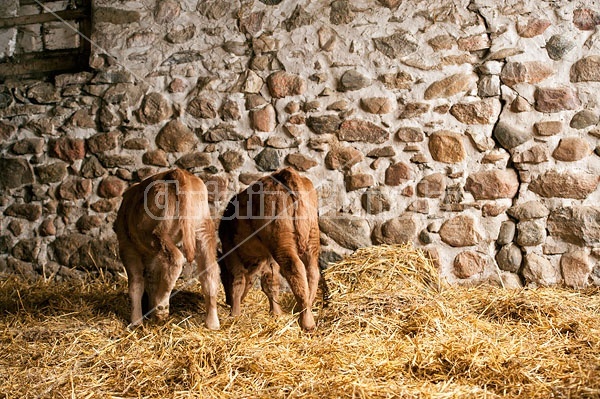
[(390, 330)]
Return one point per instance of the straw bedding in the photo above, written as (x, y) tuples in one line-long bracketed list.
[(391, 329)]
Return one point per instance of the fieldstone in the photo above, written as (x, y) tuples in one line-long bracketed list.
[(477, 113), (533, 27), (506, 233), (519, 104), (82, 118), (67, 148), (397, 173), (264, 119), (446, 147), (88, 222), (442, 42), (16, 227), (586, 69), (15, 173), (509, 258), (576, 269), (343, 158), (353, 80), (558, 46), (105, 205), (348, 231), (400, 230), (528, 210), (254, 101), (382, 152), (75, 188), (103, 142), (223, 132), (510, 137), (468, 264), (398, 45), (585, 19), (28, 146), (253, 142), (341, 12), (375, 201), (324, 124), (420, 206), (252, 83), (410, 134), (175, 136), (268, 160), (282, 84), (47, 228), (240, 48), (300, 17), (136, 143), (432, 186), (413, 110), (554, 184), (249, 178), (90, 168), (556, 99), (579, 225), (397, 81), (213, 9), (361, 130), (231, 160), (377, 105), (156, 158), (230, 111), (327, 38), (474, 43), (155, 108), (181, 34), (194, 160), (530, 233), (44, 93), (97, 254), (531, 72), (583, 119), (357, 181), (539, 271), (548, 128), (534, 155), (300, 162), (111, 187), (489, 86), (493, 184), (450, 86), (460, 231), (27, 250), (6, 131), (202, 108), (64, 246), (28, 211), (571, 149)]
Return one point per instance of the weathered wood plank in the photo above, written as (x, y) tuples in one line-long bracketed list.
[(41, 18), (39, 65)]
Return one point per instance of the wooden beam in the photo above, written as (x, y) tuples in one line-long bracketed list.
[(31, 65), (46, 17)]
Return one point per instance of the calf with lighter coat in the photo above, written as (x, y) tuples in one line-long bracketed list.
[(162, 222)]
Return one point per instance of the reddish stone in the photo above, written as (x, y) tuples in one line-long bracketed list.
[(450, 86), (556, 99), (358, 181), (553, 184), (343, 158), (571, 149), (397, 174), (264, 119), (533, 27), (282, 84), (446, 147), (68, 149), (111, 187), (525, 72), (361, 130), (75, 188), (155, 108), (493, 184), (468, 264), (585, 19), (460, 231), (300, 162)]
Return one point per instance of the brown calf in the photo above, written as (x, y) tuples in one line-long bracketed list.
[(156, 215), (272, 225)]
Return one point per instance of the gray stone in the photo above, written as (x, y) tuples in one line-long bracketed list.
[(268, 159), (44, 93), (348, 231), (558, 46), (398, 45), (353, 80), (509, 258), (579, 225), (324, 124), (507, 232), (300, 17), (90, 168), (583, 119), (510, 137), (65, 246), (97, 254), (341, 12), (530, 233), (539, 271), (327, 258)]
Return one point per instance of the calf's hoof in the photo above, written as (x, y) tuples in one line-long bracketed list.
[(212, 323), (133, 326)]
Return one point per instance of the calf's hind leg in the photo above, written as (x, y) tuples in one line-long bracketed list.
[(269, 282), (294, 272), (209, 276)]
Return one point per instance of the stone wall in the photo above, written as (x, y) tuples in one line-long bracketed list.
[(467, 128)]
